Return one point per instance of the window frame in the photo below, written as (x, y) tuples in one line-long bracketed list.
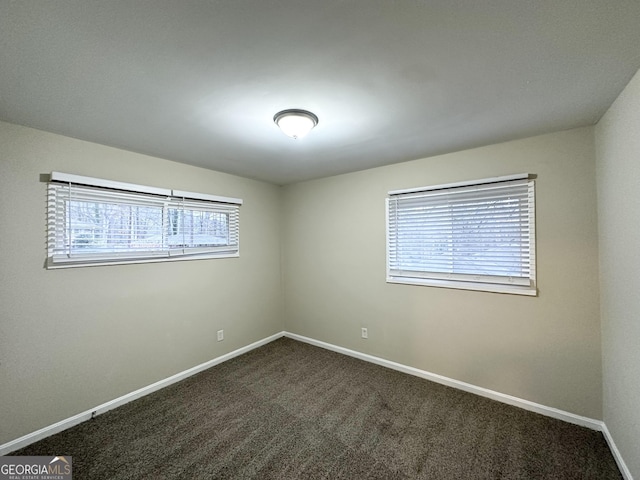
[(134, 195), (468, 281)]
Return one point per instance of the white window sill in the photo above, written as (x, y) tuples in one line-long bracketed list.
[(460, 285), (54, 265)]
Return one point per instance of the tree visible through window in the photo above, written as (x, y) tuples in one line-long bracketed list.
[(104, 227), (89, 225)]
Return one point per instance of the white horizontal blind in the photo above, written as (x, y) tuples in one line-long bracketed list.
[(92, 225), (482, 232), (197, 226)]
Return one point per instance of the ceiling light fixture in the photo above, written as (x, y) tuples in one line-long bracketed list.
[(295, 123)]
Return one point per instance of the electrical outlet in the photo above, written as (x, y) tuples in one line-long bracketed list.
[(220, 335), (365, 333)]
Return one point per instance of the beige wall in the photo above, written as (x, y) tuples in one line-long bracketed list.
[(618, 169), (73, 339), (545, 349)]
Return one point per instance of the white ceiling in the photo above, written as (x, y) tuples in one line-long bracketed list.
[(198, 82)]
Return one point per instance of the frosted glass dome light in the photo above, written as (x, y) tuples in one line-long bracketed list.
[(295, 123)]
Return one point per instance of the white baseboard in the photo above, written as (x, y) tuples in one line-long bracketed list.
[(483, 392), (434, 377), (467, 387), (616, 453), (105, 407)]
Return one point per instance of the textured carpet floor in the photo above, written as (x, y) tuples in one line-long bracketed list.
[(291, 410)]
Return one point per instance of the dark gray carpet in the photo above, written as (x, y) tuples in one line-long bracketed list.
[(291, 410)]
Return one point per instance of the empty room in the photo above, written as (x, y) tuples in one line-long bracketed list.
[(319, 239)]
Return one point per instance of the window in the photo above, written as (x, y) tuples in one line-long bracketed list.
[(477, 235), (96, 222)]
